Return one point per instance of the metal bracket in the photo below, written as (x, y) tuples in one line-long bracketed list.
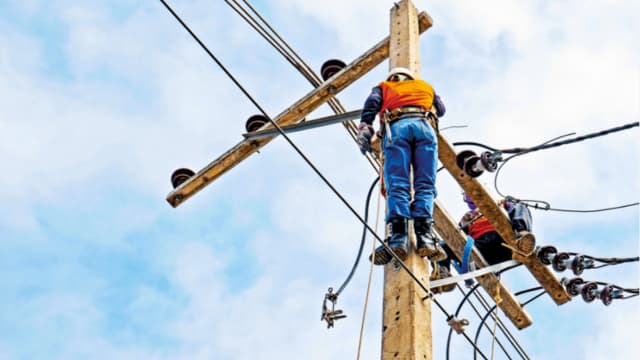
[(457, 325), (331, 315)]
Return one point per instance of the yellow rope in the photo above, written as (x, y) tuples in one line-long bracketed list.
[(366, 298), (498, 300)]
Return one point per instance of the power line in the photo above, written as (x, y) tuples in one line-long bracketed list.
[(429, 294), (484, 319), (459, 308), (274, 39), (547, 145), (362, 241)]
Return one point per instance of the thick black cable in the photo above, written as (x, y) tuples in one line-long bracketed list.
[(584, 137), (554, 143), (473, 306), (462, 302), (547, 145), (548, 207), (471, 143), (606, 261), (399, 261), (362, 241), (512, 340), (484, 319), (634, 291), (525, 151)]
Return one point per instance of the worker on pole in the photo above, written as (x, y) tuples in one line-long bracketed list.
[(485, 236), (408, 140)]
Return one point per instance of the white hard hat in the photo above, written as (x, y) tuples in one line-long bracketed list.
[(400, 70)]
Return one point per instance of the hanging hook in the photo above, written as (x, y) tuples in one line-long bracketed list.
[(331, 315)]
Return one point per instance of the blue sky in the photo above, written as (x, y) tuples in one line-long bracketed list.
[(101, 102)]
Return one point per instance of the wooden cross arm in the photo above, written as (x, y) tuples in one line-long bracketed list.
[(499, 220), (292, 115), (456, 239)]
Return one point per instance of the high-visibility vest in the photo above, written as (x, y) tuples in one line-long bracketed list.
[(406, 93)]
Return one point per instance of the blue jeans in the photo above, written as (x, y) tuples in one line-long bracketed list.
[(413, 143)]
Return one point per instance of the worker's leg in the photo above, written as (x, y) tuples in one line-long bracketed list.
[(490, 246), (397, 160), (397, 152), (424, 160)]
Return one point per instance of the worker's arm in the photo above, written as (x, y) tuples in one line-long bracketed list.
[(372, 106)]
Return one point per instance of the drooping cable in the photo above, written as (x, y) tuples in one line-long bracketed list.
[(371, 266), (274, 39), (484, 319), (399, 261), (555, 143), (459, 308), (362, 240), (512, 340), (475, 310)]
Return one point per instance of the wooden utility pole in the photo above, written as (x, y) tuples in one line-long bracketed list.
[(406, 322), (406, 332)]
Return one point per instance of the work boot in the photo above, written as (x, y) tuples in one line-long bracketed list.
[(442, 273), (427, 244), (398, 241), (380, 256)]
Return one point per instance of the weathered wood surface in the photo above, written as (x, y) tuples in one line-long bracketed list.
[(292, 115), (456, 239), (406, 332), (498, 218)]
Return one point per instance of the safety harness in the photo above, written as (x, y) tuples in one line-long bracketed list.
[(399, 113)]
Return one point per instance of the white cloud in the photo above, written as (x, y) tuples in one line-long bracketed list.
[(517, 73)]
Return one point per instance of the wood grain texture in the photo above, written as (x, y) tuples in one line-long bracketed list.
[(294, 114), (406, 316), (456, 239), (498, 218)]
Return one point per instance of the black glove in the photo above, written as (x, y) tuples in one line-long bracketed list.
[(365, 133)]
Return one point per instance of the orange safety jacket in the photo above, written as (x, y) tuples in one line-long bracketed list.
[(406, 93)]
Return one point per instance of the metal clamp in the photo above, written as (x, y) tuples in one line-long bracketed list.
[(457, 325), (331, 315)]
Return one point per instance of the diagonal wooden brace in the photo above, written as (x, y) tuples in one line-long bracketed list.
[(292, 115), (456, 239), (500, 221)]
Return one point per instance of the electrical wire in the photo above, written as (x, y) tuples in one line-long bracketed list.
[(399, 261), (371, 266), (274, 39), (459, 308), (550, 144), (362, 240), (512, 340), (475, 309), (484, 319)]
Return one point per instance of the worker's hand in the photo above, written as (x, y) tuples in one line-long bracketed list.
[(365, 133)]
